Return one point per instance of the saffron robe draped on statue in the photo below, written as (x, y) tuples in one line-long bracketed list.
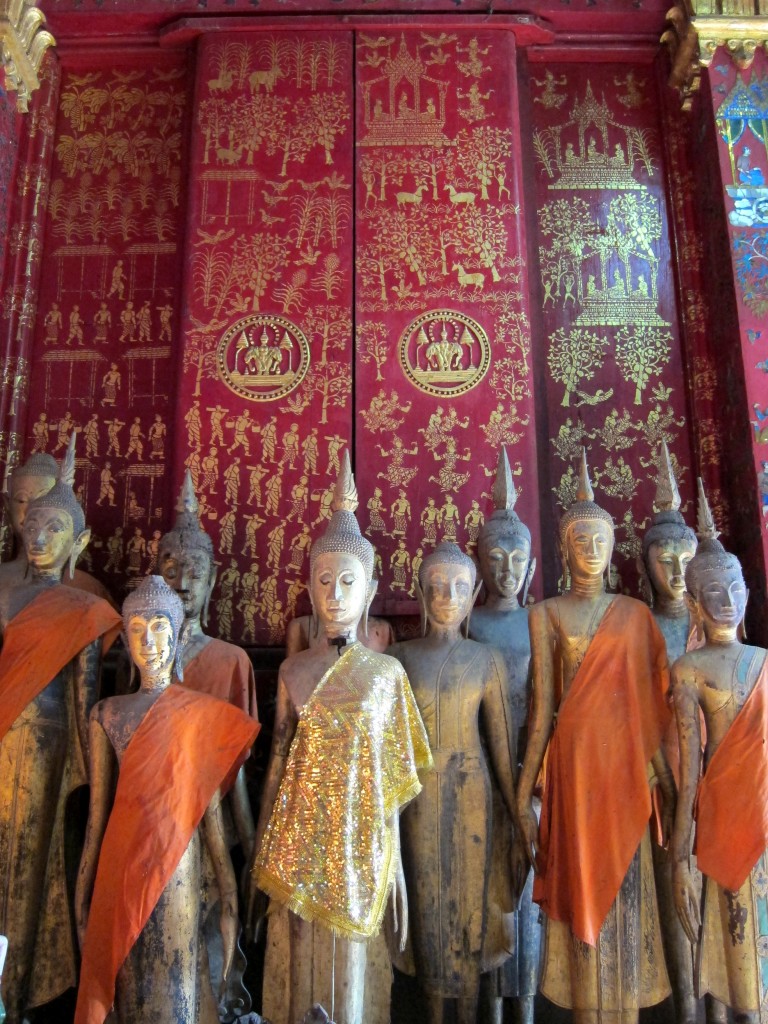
[(42, 638), (732, 807), (597, 801), (47, 647), (225, 671), (327, 852), (187, 746), (731, 842)]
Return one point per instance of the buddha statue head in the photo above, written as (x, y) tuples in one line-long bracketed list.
[(185, 556), (586, 534), (153, 618), (669, 544), (341, 584), (54, 531), (32, 479), (504, 544), (447, 587), (717, 594)]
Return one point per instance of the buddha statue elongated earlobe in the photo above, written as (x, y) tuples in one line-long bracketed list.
[(373, 586), (527, 585), (643, 581), (422, 606), (465, 624)]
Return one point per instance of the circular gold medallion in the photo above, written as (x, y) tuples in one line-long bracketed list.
[(444, 353), (262, 357)]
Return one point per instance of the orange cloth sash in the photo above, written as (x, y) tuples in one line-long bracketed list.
[(597, 802), (45, 636), (224, 671), (732, 811), (185, 748)]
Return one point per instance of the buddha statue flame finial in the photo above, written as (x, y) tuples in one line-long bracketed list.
[(710, 555), (705, 521), (67, 471), (343, 531), (667, 523), (585, 492), (187, 533), (583, 508), (667, 495), (504, 490), (345, 493), (187, 501)]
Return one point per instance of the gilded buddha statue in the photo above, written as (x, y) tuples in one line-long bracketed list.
[(668, 547), (209, 665), (52, 642), (726, 681), (599, 676), (213, 666), (446, 833), (28, 481), (506, 566), (160, 759), (347, 744)]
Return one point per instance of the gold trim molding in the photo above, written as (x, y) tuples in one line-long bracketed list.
[(23, 42), (696, 28)]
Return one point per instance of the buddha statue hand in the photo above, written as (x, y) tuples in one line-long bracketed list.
[(686, 900), (229, 927), (400, 907), (529, 833), (256, 907), (519, 864), (665, 780)]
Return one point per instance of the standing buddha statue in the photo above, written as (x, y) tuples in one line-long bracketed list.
[(31, 480), (668, 547), (504, 550), (160, 759), (446, 833), (726, 681), (347, 744), (209, 665), (53, 638), (599, 671)]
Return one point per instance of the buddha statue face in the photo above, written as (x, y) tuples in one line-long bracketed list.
[(448, 594), (340, 591), (24, 489), (666, 563), (49, 539), (151, 642), (191, 574), (589, 544), (721, 596), (504, 565)]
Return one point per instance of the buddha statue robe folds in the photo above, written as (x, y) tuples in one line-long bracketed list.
[(599, 712), (446, 833), (504, 549), (172, 752), (668, 547), (727, 682), (52, 641), (347, 744)]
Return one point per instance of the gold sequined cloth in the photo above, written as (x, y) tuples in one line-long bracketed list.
[(328, 851)]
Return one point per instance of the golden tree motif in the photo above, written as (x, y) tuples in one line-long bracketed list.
[(574, 356), (569, 222), (641, 353), (486, 153), (373, 344)]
